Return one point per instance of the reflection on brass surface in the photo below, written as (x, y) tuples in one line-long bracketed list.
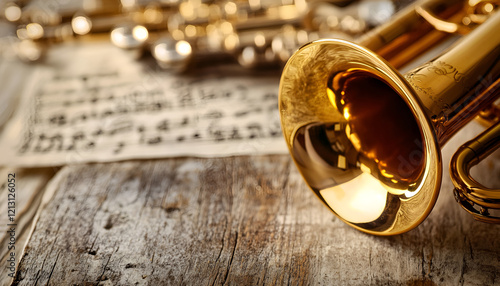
[(366, 140), (373, 120), (475, 198)]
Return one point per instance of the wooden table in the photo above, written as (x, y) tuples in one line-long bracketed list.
[(246, 220)]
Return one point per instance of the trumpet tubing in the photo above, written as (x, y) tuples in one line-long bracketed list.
[(367, 139), (471, 195)]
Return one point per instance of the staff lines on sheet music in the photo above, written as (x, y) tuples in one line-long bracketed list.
[(138, 103), (79, 140), (62, 117), (110, 107), (85, 76), (73, 115), (92, 96), (176, 127), (86, 94), (184, 98), (186, 91)]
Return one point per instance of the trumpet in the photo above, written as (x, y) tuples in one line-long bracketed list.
[(367, 139)]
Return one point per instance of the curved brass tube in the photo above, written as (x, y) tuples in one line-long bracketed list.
[(471, 195)]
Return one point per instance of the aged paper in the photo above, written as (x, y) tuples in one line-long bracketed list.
[(95, 103)]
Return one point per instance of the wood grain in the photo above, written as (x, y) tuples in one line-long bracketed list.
[(28, 190), (238, 221)]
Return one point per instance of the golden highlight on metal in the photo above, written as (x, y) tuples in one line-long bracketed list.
[(366, 138)]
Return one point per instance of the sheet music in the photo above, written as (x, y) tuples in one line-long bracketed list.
[(95, 103)]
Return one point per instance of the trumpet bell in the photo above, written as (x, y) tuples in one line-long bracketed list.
[(360, 136)]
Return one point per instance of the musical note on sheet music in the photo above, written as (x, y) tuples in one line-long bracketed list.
[(109, 114)]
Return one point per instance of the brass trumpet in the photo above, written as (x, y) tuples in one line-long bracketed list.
[(367, 139)]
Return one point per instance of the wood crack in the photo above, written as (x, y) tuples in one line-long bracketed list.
[(231, 259), (52, 270), (148, 188), (45, 258), (223, 242), (101, 277), (470, 250), (286, 175), (462, 270), (423, 264)]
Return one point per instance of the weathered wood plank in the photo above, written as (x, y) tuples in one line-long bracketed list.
[(240, 221), (19, 204)]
